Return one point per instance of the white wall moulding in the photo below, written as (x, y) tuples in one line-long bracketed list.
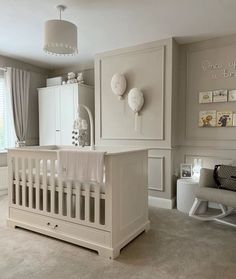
[(156, 173), (149, 68), (208, 161), (161, 169), (151, 82), (209, 156)]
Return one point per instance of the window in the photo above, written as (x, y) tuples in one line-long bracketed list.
[(7, 137)]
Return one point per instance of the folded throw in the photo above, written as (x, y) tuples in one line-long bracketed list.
[(83, 166)]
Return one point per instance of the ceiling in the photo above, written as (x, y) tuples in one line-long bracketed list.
[(109, 24)]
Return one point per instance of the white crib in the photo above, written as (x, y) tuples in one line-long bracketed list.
[(103, 217)]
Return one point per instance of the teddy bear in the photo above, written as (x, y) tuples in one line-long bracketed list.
[(80, 78), (71, 78)]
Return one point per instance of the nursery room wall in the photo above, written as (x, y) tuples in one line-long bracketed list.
[(206, 66), (187, 73), (151, 68)]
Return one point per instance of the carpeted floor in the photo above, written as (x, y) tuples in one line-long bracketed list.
[(176, 247)]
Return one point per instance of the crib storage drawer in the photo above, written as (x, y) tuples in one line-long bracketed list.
[(67, 231)]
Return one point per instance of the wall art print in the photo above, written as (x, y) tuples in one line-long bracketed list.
[(232, 95), (220, 96), (207, 118), (205, 97), (224, 118)]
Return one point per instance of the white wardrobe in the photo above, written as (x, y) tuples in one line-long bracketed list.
[(57, 111)]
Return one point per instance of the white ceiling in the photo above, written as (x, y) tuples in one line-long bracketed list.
[(110, 24)]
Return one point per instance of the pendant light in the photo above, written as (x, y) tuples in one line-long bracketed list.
[(60, 36)]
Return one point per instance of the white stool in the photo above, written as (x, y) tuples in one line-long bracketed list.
[(186, 195)]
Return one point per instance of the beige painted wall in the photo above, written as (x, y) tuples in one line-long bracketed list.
[(10, 62), (150, 68), (213, 145)]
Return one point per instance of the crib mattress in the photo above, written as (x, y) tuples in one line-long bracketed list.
[(56, 179)]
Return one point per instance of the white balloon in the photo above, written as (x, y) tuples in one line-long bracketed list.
[(135, 99), (118, 84)]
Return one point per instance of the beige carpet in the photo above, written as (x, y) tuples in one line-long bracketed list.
[(176, 247)]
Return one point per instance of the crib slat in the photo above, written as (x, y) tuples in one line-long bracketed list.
[(60, 197), (87, 202), (78, 204), (45, 185), (23, 178), (11, 182), (30, 179), (37, 182), (52, 183), (97, 203), (68, 195), (17, 180), (107, 201)]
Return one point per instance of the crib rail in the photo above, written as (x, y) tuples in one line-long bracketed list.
[(35, 186)]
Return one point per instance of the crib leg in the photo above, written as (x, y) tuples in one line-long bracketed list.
[(109, 253)]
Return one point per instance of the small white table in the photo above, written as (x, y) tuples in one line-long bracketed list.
[(186, 188)]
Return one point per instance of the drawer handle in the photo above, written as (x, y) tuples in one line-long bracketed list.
[(52, 226)]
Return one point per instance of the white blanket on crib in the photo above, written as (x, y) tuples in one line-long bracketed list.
[(83, 166)]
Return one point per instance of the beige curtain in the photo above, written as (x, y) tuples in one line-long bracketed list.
[(18, 83)]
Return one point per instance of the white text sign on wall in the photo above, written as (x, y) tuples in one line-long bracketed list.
[(221, 70)]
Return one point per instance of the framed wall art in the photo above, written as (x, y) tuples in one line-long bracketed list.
[(186, 171), (207, 118), (224, 119), (205, 97), (220, 96), (232, 95)]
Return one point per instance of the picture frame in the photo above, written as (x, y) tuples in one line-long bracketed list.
[(220, 96), (224, 118), (205, 97), (232, 95), (207, 118), (186, 171)]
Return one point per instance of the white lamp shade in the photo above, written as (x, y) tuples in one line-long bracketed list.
[(60, 37)]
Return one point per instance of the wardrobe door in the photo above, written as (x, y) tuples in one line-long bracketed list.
[(47, 116), (68, 107)]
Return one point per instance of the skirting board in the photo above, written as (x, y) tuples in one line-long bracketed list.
[(161, 203), (3, 192)]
